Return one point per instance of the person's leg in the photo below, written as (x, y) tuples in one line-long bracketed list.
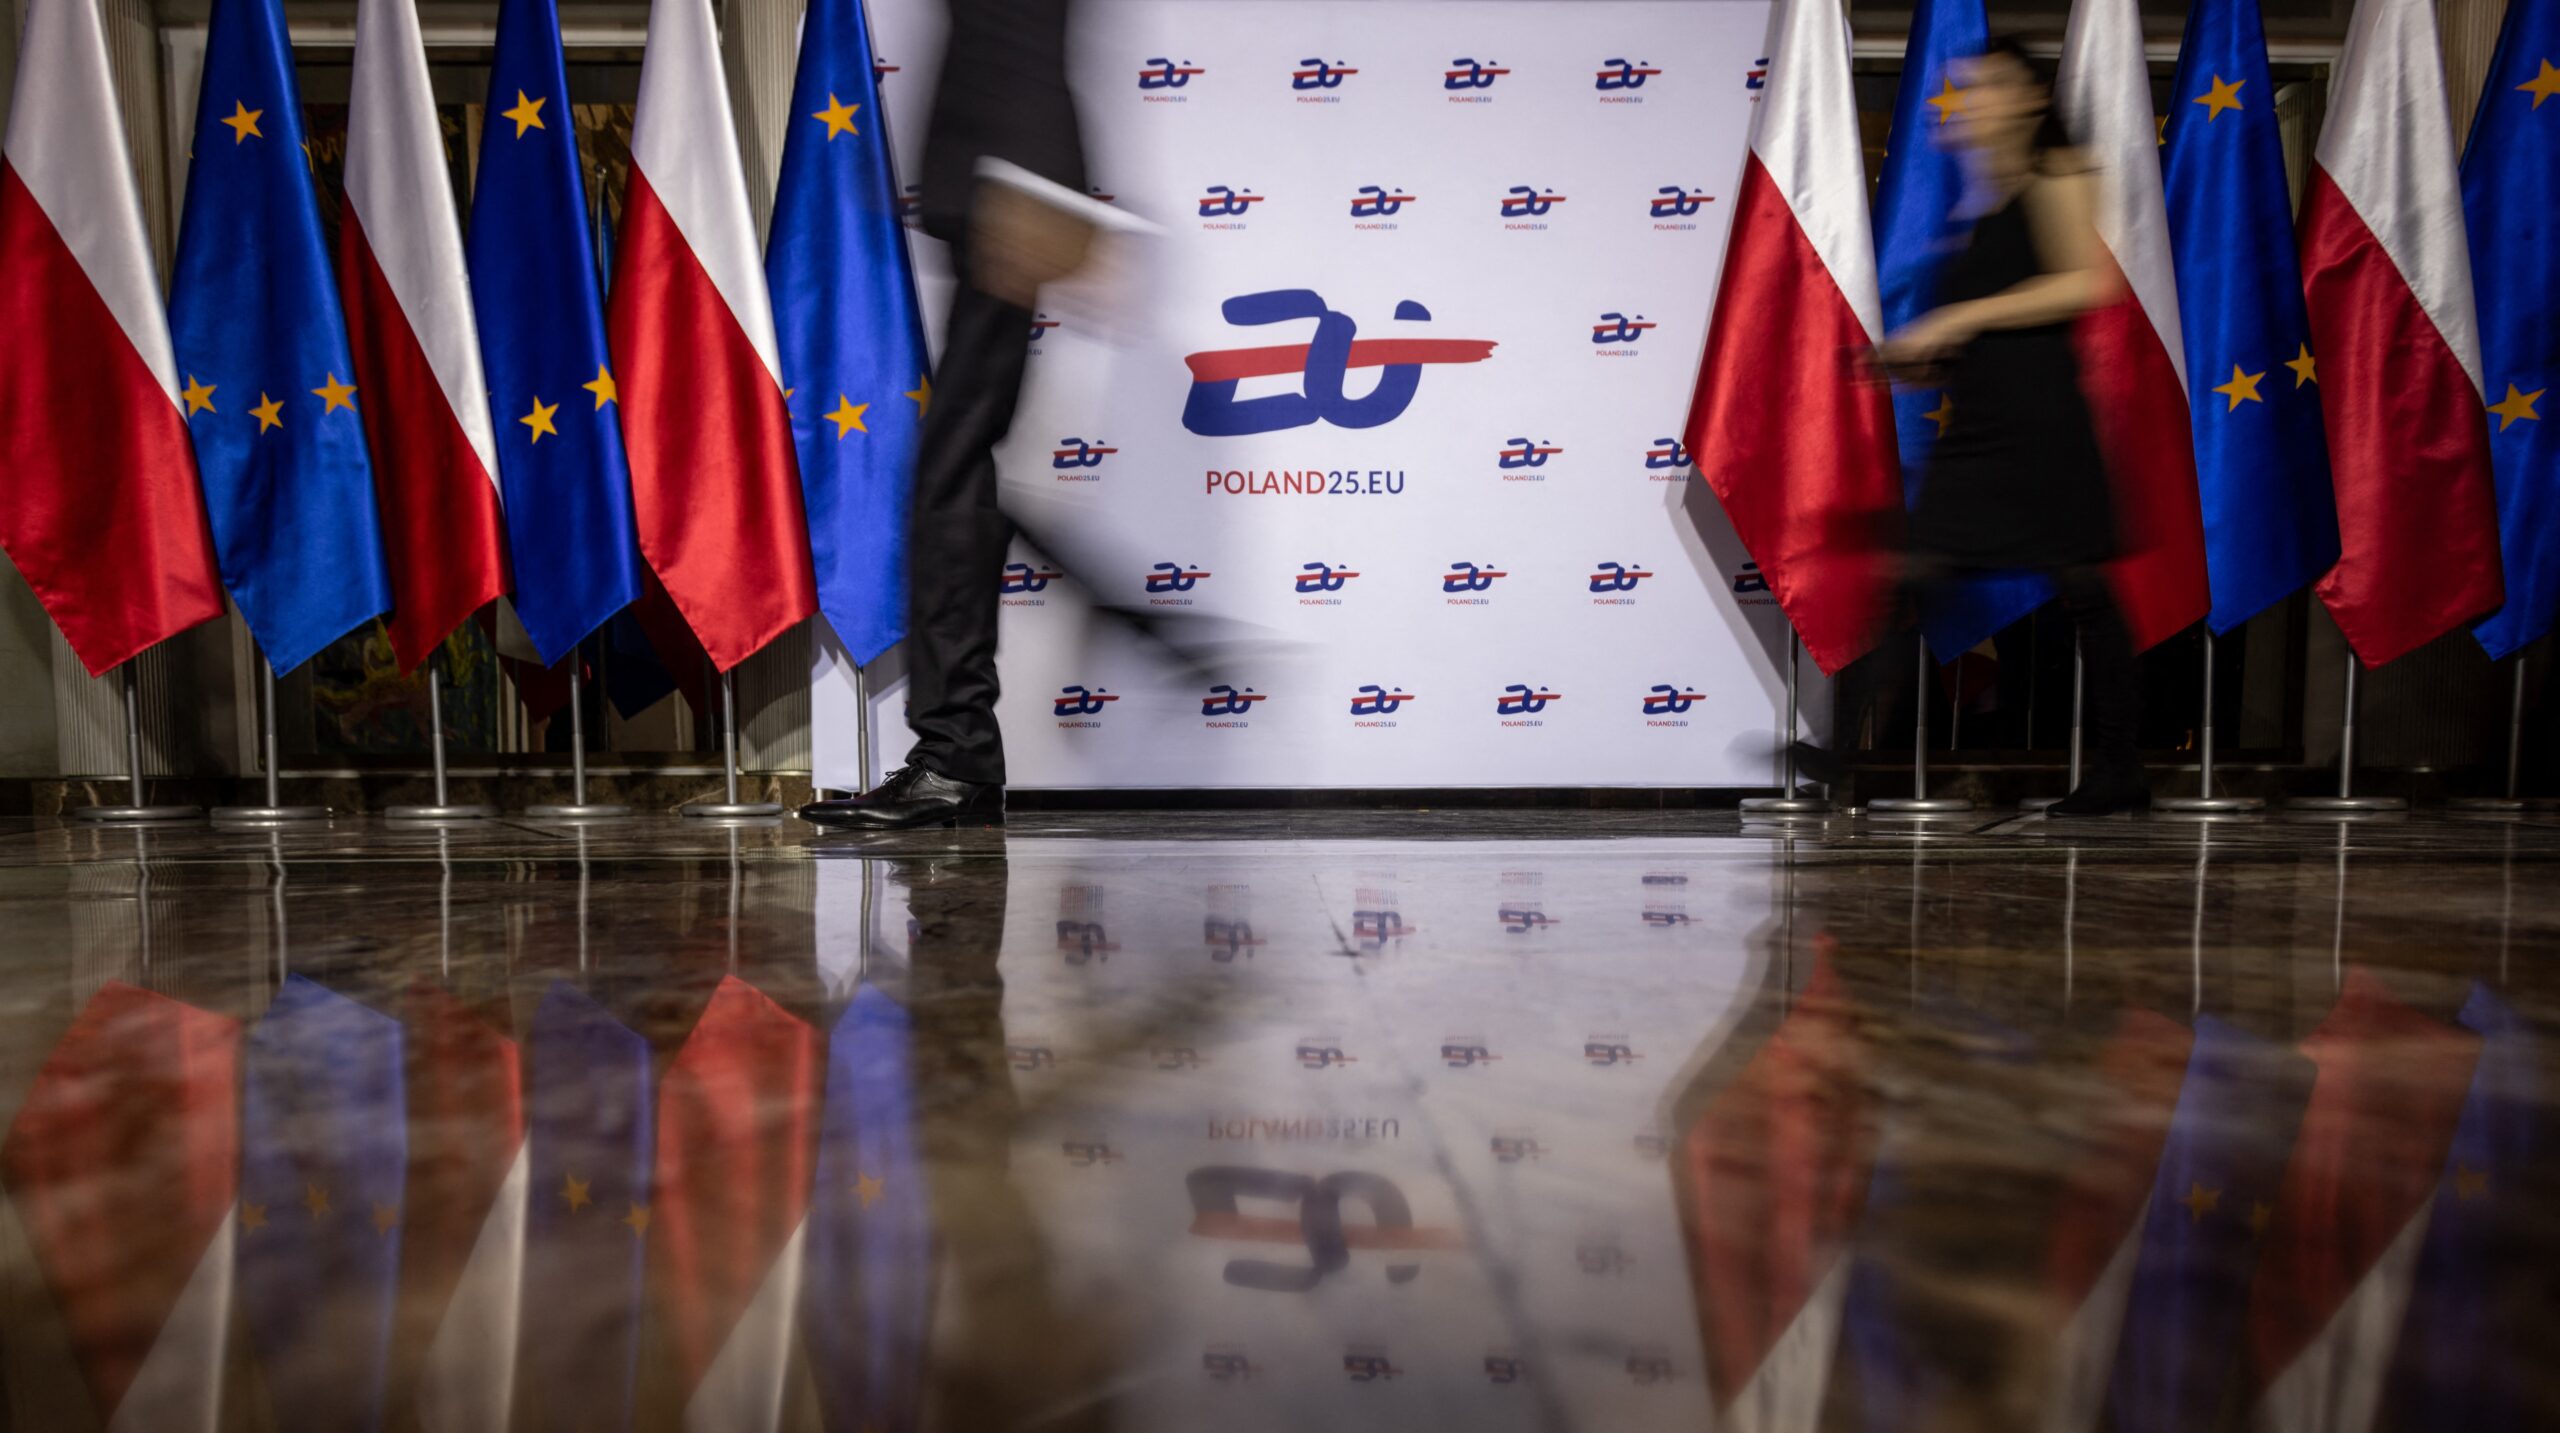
[(956, 539), (2112, 712)]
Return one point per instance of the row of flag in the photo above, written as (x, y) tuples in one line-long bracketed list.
[(414, 1219), (437, 419), (2300, 1238), (2352, 398)]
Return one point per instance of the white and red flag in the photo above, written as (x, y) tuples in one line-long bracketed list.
[(1797, 448), (99, 507), (417, 354), (2386, 273), (2132, 352), (715, 484)]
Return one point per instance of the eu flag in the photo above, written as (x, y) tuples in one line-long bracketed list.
[(323, 1167), (541, 312), (2511, 204), (262, 351), (2270, 516), (844, 311), (869, 1295), (1918, 231)]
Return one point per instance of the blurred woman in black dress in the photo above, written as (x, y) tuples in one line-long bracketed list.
[(2017, 483)]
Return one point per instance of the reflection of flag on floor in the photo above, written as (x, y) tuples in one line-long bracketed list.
[(324, 1150), (2224, 1158), (1773, 1171), (2104, 1192), (732, 1183), (120, 1167), (588, 1139), (870, 1265), (2343, 1237), (2465, 1349), (462, 1240)]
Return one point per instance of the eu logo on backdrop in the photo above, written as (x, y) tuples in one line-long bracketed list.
[(1214, 411)]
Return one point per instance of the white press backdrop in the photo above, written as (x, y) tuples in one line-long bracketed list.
[(1473, 559)]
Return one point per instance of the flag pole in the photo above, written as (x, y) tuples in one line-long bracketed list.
[(1920, 803), (134, 810), (2513, 800), (443, 808), (2204, 802), (1787, 802), (577, 807), (273, 811), (729, 806), (861, 728), (2346, 802)]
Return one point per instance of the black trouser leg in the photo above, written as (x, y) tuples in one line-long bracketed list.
[(956, 539), (2112, 696)]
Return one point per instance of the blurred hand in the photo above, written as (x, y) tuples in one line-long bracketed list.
[(1924, 345), (1017, 243)]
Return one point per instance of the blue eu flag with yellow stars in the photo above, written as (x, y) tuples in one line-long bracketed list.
[(2262, 460), (844, 311), (1919, 231), (262, 351), (541, 313), (2511, 204)]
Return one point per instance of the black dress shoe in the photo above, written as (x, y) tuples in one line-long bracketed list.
[(2106, 794), (912, 796)]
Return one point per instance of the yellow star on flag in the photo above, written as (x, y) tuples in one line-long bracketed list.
[(638, 1218), (527, 114), (335, 395), (867, 1188), (2200, 1202), (838, 117), (199, 396), (269, 413), (574, 1190), (316, 1199), (922, 393), (243, 122), (539, 420), (386, 1217), (2306, 369), (2260, 1216), (2517, 405), (602, 388), (2224, 95), (252, 1216), (2543, 86), (2243, 387), (848, 416), (1947, 101), (1944, 414), (2469, 1183)]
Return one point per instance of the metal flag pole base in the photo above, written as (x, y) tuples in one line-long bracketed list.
[(2035, 805), (730, 808), (272, 812), (1919, 804), (577, 807), (1787, 802), (444, 807), (2204, 802), (2346, 804), (134, 811), (2510, 804)]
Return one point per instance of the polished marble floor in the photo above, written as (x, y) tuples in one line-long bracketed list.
[(1294, 1120)]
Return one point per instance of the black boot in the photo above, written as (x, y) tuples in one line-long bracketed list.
[(2106, 793), (912, 796)]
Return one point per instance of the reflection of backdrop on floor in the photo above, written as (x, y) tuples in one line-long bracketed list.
[(1425, 316)]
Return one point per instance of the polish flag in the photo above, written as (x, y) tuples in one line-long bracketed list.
[(100, 509), (2132, 352), (1797, 448), (417, 355), (2386, 272), (715, 483), (1771, 1176), (2346, 1228)]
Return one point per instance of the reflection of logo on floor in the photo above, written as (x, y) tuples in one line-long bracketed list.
[(1607, 1050), (1319, 1223)]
